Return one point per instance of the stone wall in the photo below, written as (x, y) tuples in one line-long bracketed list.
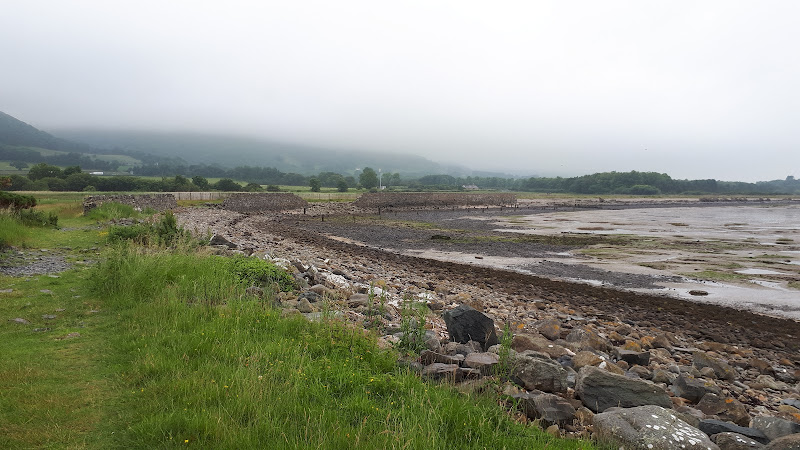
[(398, 199), (159, 202), (246, 203)]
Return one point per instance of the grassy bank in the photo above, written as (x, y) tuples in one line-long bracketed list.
[(153, 348)]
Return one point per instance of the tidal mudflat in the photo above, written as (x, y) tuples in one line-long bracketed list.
[(745, 256), (741, 256)]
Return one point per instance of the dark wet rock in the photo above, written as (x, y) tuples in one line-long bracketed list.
[(693, 389), (357, 300), (662, 341), (539, 373), (633, 357), (600, 390), (320, 289), (662, 376), (641, 372), (549, 328), (713, 426), (586, 339), (650, 427), (523, 342), (698, 292), (484, 362), (735, 441), (427, 357), (766, 381), (721, 368), (311, 296), (584, 358), (220, 240), (454, 348), (304, 306), (763, 367), (775, 427), (791, 402), (465, 324), (548, 408), (726, 408), (791, 442), (439, 371)]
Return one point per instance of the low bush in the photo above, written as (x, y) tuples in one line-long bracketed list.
[(33, 218), (16, 202), (165, 232), (254, 271), (112, 210)]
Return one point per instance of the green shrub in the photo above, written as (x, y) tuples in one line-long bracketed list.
[(32, 218), (139, 233), (111, 210), (9, 200), (256, 271)]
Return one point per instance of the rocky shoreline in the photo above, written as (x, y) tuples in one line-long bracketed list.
[(576, 349)]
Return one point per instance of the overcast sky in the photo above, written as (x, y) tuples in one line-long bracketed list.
[(696, 89)]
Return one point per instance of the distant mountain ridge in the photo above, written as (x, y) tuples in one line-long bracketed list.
[(231, 151), (221, 150), (17, 133)]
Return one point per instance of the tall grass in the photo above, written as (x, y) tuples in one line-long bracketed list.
[(12, 231), (201, 363)]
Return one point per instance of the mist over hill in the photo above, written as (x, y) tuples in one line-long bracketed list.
[(232, 151)]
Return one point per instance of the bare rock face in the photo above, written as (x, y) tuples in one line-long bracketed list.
[(650, 427), (465, 324), (600, 390)]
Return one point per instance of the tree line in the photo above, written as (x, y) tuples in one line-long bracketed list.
[(45, 176), (21, 157)]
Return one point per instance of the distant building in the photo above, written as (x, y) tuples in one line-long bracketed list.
[(470, 187), (95, 173)]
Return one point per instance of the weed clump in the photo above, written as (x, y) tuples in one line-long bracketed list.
[(261, 273)]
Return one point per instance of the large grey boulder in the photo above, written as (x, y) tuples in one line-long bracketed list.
[(713, 426), (775, 427), (734, 441), (548, 408), (649, 427), (693, 389), (790, 442), (465, 324), (721, 368), (600, 390), (538, 373), (484, 362), (726, 408)]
